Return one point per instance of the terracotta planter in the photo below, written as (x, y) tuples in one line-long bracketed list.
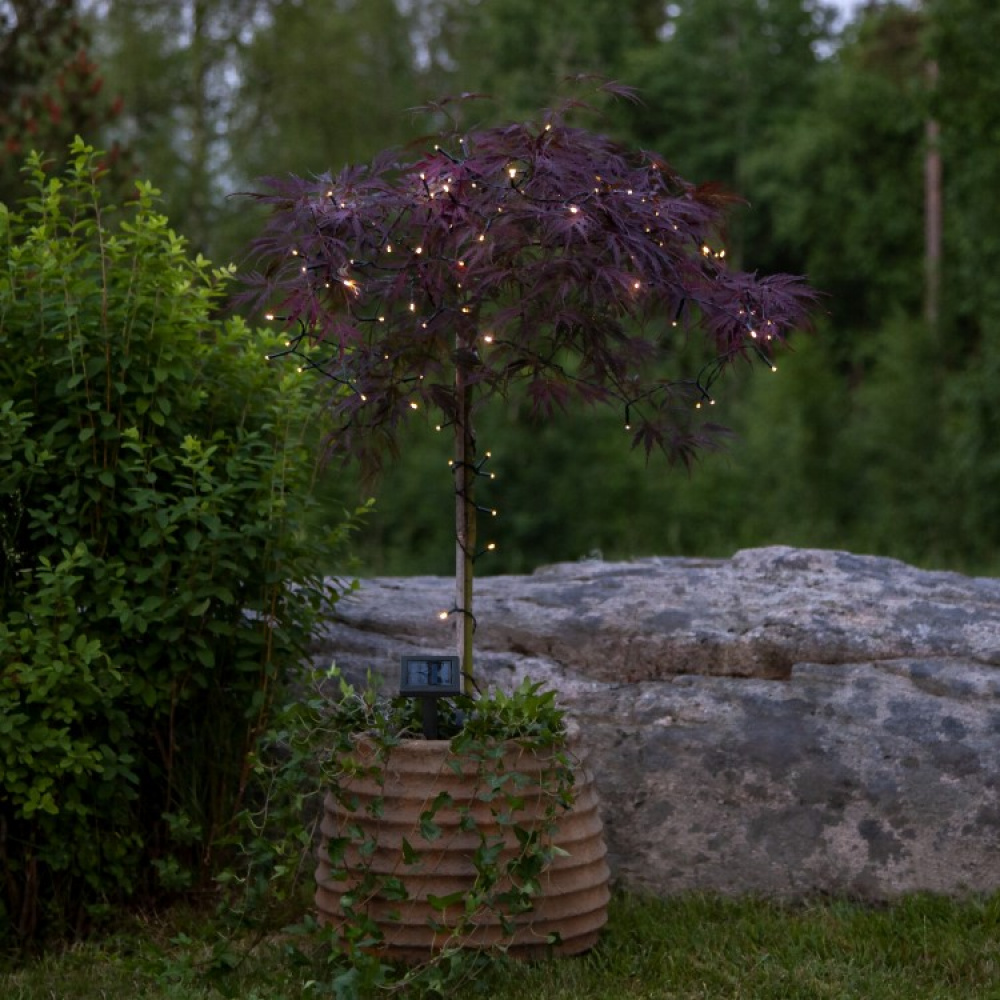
[(574, 897)]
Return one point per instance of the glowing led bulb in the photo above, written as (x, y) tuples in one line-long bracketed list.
[(443, 615), (269, 316), (413, 405)]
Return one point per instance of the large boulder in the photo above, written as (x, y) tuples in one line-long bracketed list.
[(784, 722)]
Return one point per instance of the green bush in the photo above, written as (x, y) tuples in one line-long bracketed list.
[(158, 577)]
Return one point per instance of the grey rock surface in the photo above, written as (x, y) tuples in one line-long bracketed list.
[(784, 722)]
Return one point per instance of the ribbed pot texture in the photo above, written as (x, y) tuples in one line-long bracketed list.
[(574, 897)]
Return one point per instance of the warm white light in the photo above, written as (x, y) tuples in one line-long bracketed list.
[(413, 406), (573, 209), (512, 172), (418, 250), (269, 316), (443, 615), (488, 338)]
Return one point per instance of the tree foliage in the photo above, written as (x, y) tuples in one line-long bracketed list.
[(50, 88), (537, 254)]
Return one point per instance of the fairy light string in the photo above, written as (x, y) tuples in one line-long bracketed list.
[(501, 258)]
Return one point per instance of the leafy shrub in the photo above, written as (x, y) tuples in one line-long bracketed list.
[(158, 580)]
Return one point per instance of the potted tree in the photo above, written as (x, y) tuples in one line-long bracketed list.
[(535, 257)]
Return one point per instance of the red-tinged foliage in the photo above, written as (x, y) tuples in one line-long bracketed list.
[(50, 91), (542, 255)]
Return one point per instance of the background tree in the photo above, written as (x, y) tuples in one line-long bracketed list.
[(719, 79), (824, 136), (177, 63), (50, 89)]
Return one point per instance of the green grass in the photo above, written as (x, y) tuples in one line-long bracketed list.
[(923, 948)]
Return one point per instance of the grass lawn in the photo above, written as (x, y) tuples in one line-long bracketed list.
[(923, 948)]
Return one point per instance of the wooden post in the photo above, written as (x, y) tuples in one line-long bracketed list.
[(465, 524)]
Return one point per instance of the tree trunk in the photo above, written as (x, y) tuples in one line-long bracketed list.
[(932, 212)]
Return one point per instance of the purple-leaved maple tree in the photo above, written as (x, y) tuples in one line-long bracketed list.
[(538, 255)]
